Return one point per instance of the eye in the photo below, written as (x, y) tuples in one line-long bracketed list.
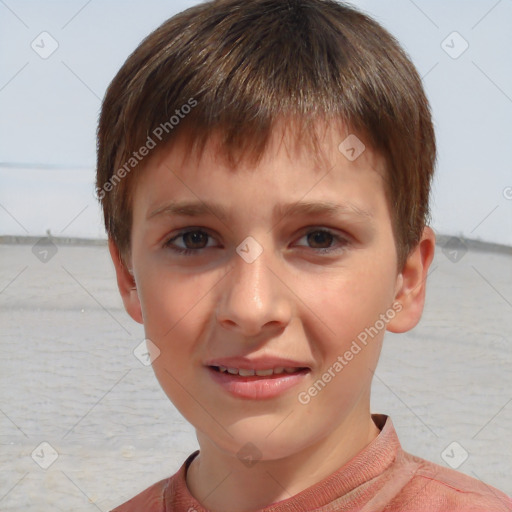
[(193, 241), (322, 240)]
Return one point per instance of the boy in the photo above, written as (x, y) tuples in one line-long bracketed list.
[(264, 168)]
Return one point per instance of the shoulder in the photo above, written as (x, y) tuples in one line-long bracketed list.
[(437, 488), (164, 496), (150, 500)]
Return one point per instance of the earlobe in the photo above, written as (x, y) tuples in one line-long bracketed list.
[(411, 283), (126, 284)]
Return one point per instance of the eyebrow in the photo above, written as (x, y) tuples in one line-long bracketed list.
[(199, 208)]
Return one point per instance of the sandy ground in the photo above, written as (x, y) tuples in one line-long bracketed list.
[(69, 379)]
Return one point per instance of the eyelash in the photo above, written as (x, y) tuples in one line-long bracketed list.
[(341, 241)]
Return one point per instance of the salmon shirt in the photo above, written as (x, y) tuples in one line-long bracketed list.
[(382, 477)]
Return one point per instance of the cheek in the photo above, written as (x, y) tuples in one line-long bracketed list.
[(350, 303), (347, 342), (173, 321), (169, 301)]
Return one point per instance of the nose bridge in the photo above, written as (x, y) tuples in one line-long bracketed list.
[(253, 297)]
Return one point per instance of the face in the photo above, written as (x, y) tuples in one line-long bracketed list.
[(256, 286)]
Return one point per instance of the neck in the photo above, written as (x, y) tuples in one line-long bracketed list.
[(221, 482)]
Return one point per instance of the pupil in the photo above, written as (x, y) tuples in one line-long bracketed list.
[(320, 237), (195, 238)]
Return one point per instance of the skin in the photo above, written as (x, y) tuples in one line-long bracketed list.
[(293, 302)]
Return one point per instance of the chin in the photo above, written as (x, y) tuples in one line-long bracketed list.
[(254, 441)]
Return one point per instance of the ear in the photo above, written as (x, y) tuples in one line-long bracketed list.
[(126, 284), (411, 283)]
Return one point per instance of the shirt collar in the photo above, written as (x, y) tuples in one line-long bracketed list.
[(371, 462)]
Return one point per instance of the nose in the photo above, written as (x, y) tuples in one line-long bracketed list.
[(254, 299)]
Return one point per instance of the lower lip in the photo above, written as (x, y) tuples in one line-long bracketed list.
[(257, 388)]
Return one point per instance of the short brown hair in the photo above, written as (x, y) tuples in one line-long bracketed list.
[(241, 66)]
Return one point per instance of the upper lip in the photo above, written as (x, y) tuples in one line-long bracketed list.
[(259, 363)]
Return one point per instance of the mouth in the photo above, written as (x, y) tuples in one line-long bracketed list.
[(261, 380), (265, 372)]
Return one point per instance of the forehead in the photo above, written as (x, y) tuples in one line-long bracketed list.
[(288, 178)]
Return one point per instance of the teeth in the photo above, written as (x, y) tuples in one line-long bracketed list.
[(264, 373), (260, 373)]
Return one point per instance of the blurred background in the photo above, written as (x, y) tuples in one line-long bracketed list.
[(83, 422)]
